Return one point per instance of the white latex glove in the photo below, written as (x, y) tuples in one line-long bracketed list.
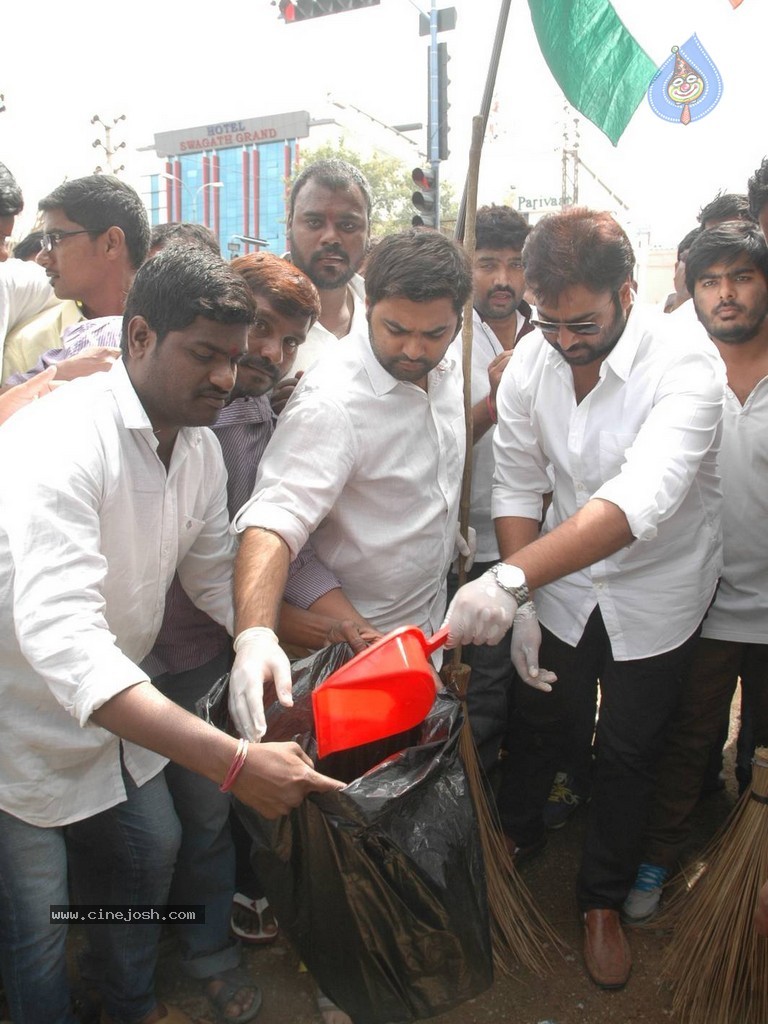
[(526, 641), (480, 613), (258, 658), (467, 548)]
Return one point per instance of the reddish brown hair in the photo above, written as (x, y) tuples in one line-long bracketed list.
[(289, 291)]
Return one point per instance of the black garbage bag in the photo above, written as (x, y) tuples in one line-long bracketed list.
[(379, 886)]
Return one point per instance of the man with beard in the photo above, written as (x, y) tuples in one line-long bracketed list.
[(623, 413), (192, 651), (328, 229), (126, 486), (500, 318), (367, 459), (727, 275)]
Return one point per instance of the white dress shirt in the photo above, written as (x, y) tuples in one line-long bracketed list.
[(646, 439), (740, 611), (92, 527), (371, 467), (320, 340), (485, 347), (24, 291)]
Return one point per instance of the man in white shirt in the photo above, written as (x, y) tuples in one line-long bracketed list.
[(24, 288), (115, 487), (500, 318), (626, 415), (11, 205), (366, 458), (727, 271), (329, 223)]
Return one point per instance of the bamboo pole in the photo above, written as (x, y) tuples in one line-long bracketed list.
[(519, 932), (485, 106)]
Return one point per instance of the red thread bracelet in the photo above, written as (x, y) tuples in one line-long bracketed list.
[(490, 407), (236, 767)]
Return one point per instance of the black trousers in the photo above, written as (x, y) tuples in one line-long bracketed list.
[(637, 699)]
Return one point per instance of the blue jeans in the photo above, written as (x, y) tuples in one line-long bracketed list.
[(205, 868), (124, 855)]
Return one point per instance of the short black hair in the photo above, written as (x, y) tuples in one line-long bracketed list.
[(333, 174), (11, 199), (724, 207), (99, 202), (757, 189), (420, 266), (29, 247), (726, 243), (687, 241), (181, 232), (182, 283), (500, 227)]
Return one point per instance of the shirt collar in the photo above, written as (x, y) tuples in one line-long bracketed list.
[(382, 382), (622, 356), (132, 412)]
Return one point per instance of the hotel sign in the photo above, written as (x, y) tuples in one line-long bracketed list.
[(227, 134)]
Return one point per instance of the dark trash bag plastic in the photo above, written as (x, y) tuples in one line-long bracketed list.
[(379, 886)]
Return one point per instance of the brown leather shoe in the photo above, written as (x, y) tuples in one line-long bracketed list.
[(606, 951)]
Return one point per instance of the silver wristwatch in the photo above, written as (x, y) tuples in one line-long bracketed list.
[(512, 580)]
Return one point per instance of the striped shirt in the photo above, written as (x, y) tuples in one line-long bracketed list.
[(101, 332)]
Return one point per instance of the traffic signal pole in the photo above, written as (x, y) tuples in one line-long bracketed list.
[(434, 111)]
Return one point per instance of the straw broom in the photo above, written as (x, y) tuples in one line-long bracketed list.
[(519, 932), (717, 962)]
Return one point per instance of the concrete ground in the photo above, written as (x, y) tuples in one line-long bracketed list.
[(564, 996)]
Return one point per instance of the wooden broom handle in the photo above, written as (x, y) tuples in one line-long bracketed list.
[(473, 172)]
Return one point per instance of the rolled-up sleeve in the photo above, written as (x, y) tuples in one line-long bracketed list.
[(661, 463)]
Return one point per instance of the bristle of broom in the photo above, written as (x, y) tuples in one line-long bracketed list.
[(520, 934), (716, 961)]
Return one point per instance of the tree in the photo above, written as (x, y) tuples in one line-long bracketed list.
[(391, 186)]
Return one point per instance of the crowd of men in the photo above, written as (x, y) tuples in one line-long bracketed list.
[(233, 461)]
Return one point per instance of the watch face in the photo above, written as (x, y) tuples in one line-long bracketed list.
[(510, 575)]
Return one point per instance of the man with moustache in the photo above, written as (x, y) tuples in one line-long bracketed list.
[(500, 318), (192, 651), (126, 486), (366, 458), (96, 235), (329, 220), (623, 413), (727, 275)]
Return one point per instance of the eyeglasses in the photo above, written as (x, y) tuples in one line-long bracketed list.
[(52, 238), (583, 328), (553, 327)]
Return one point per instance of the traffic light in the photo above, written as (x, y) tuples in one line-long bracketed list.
[(303, 10), (425, 200), (442, 100)]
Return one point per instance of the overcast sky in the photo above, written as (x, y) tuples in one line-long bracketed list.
[(168, 66)]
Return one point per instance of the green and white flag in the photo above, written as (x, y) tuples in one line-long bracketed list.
[(601, 68)]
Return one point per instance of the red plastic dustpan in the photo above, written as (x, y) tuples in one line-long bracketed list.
[(384, 690)]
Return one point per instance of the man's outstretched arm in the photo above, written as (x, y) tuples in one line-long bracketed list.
[(274, 778)]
